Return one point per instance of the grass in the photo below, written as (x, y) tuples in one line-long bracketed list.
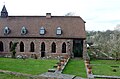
[(76, 67), (28, 66), (9, 76), (103, 67)]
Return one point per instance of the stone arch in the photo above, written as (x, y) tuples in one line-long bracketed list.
[(53, 47), (32, 47), (64, 47), (21, 46), (1, 46)]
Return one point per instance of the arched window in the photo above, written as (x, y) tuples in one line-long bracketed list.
[(10, 44), (6, 30), (64, 48), (53, 48), (23, 31), (1, 46), (32, 47), (42, 31), (42, 47), (59, 31), (21, 47)]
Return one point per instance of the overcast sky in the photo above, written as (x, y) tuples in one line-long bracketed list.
[(99, 14)]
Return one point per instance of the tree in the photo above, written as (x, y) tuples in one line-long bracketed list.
[(115, 47), (12, 49), (108, 42), (70, 14)]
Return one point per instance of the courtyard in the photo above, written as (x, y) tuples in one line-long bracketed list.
[(76, 67), (32, 67), (106, 67), (27, 66)]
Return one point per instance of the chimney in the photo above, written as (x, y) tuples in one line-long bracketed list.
[(48, 15)]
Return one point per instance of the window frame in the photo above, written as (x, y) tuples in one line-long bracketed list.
[(23, 31), (6, 30), (59, 31), (42, 31)]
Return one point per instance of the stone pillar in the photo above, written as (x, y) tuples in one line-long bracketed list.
[(69, 48), (84, 49), (18, 45)]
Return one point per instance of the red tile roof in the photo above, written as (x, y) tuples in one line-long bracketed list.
[(72, 26)]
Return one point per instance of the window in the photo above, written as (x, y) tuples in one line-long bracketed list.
[(64, 48), (32, 47), (1, 46), (6, 30), (23, 31), (21, 47), (59, 31), (53, 48), (42, 31)]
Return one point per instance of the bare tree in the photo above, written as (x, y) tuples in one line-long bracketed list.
[(70, 14)]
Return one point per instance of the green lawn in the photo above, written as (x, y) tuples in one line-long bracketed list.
[(9, 76), (103, 67), (76, 67), (28, 66)]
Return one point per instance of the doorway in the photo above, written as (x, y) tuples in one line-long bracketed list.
[(78, 48)]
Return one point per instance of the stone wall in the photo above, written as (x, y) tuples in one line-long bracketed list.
[(37, 45), (85, 55)]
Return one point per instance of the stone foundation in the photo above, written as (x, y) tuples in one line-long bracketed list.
[(31, 54)]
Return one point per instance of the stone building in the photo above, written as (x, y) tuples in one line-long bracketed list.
[(42, 35)]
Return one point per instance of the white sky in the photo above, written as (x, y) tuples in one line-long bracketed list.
[(98, 14)]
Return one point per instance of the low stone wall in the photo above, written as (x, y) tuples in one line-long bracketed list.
[(50, 75), (106, 77), (30, 54), (15, 73), (89, 69), (5, 54), (62, 65), (108, 58), (27, 54), (54, 55)]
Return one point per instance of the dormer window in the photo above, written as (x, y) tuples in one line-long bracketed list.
[(42, 31), (23, 31), (6, 30), (59, 31)]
